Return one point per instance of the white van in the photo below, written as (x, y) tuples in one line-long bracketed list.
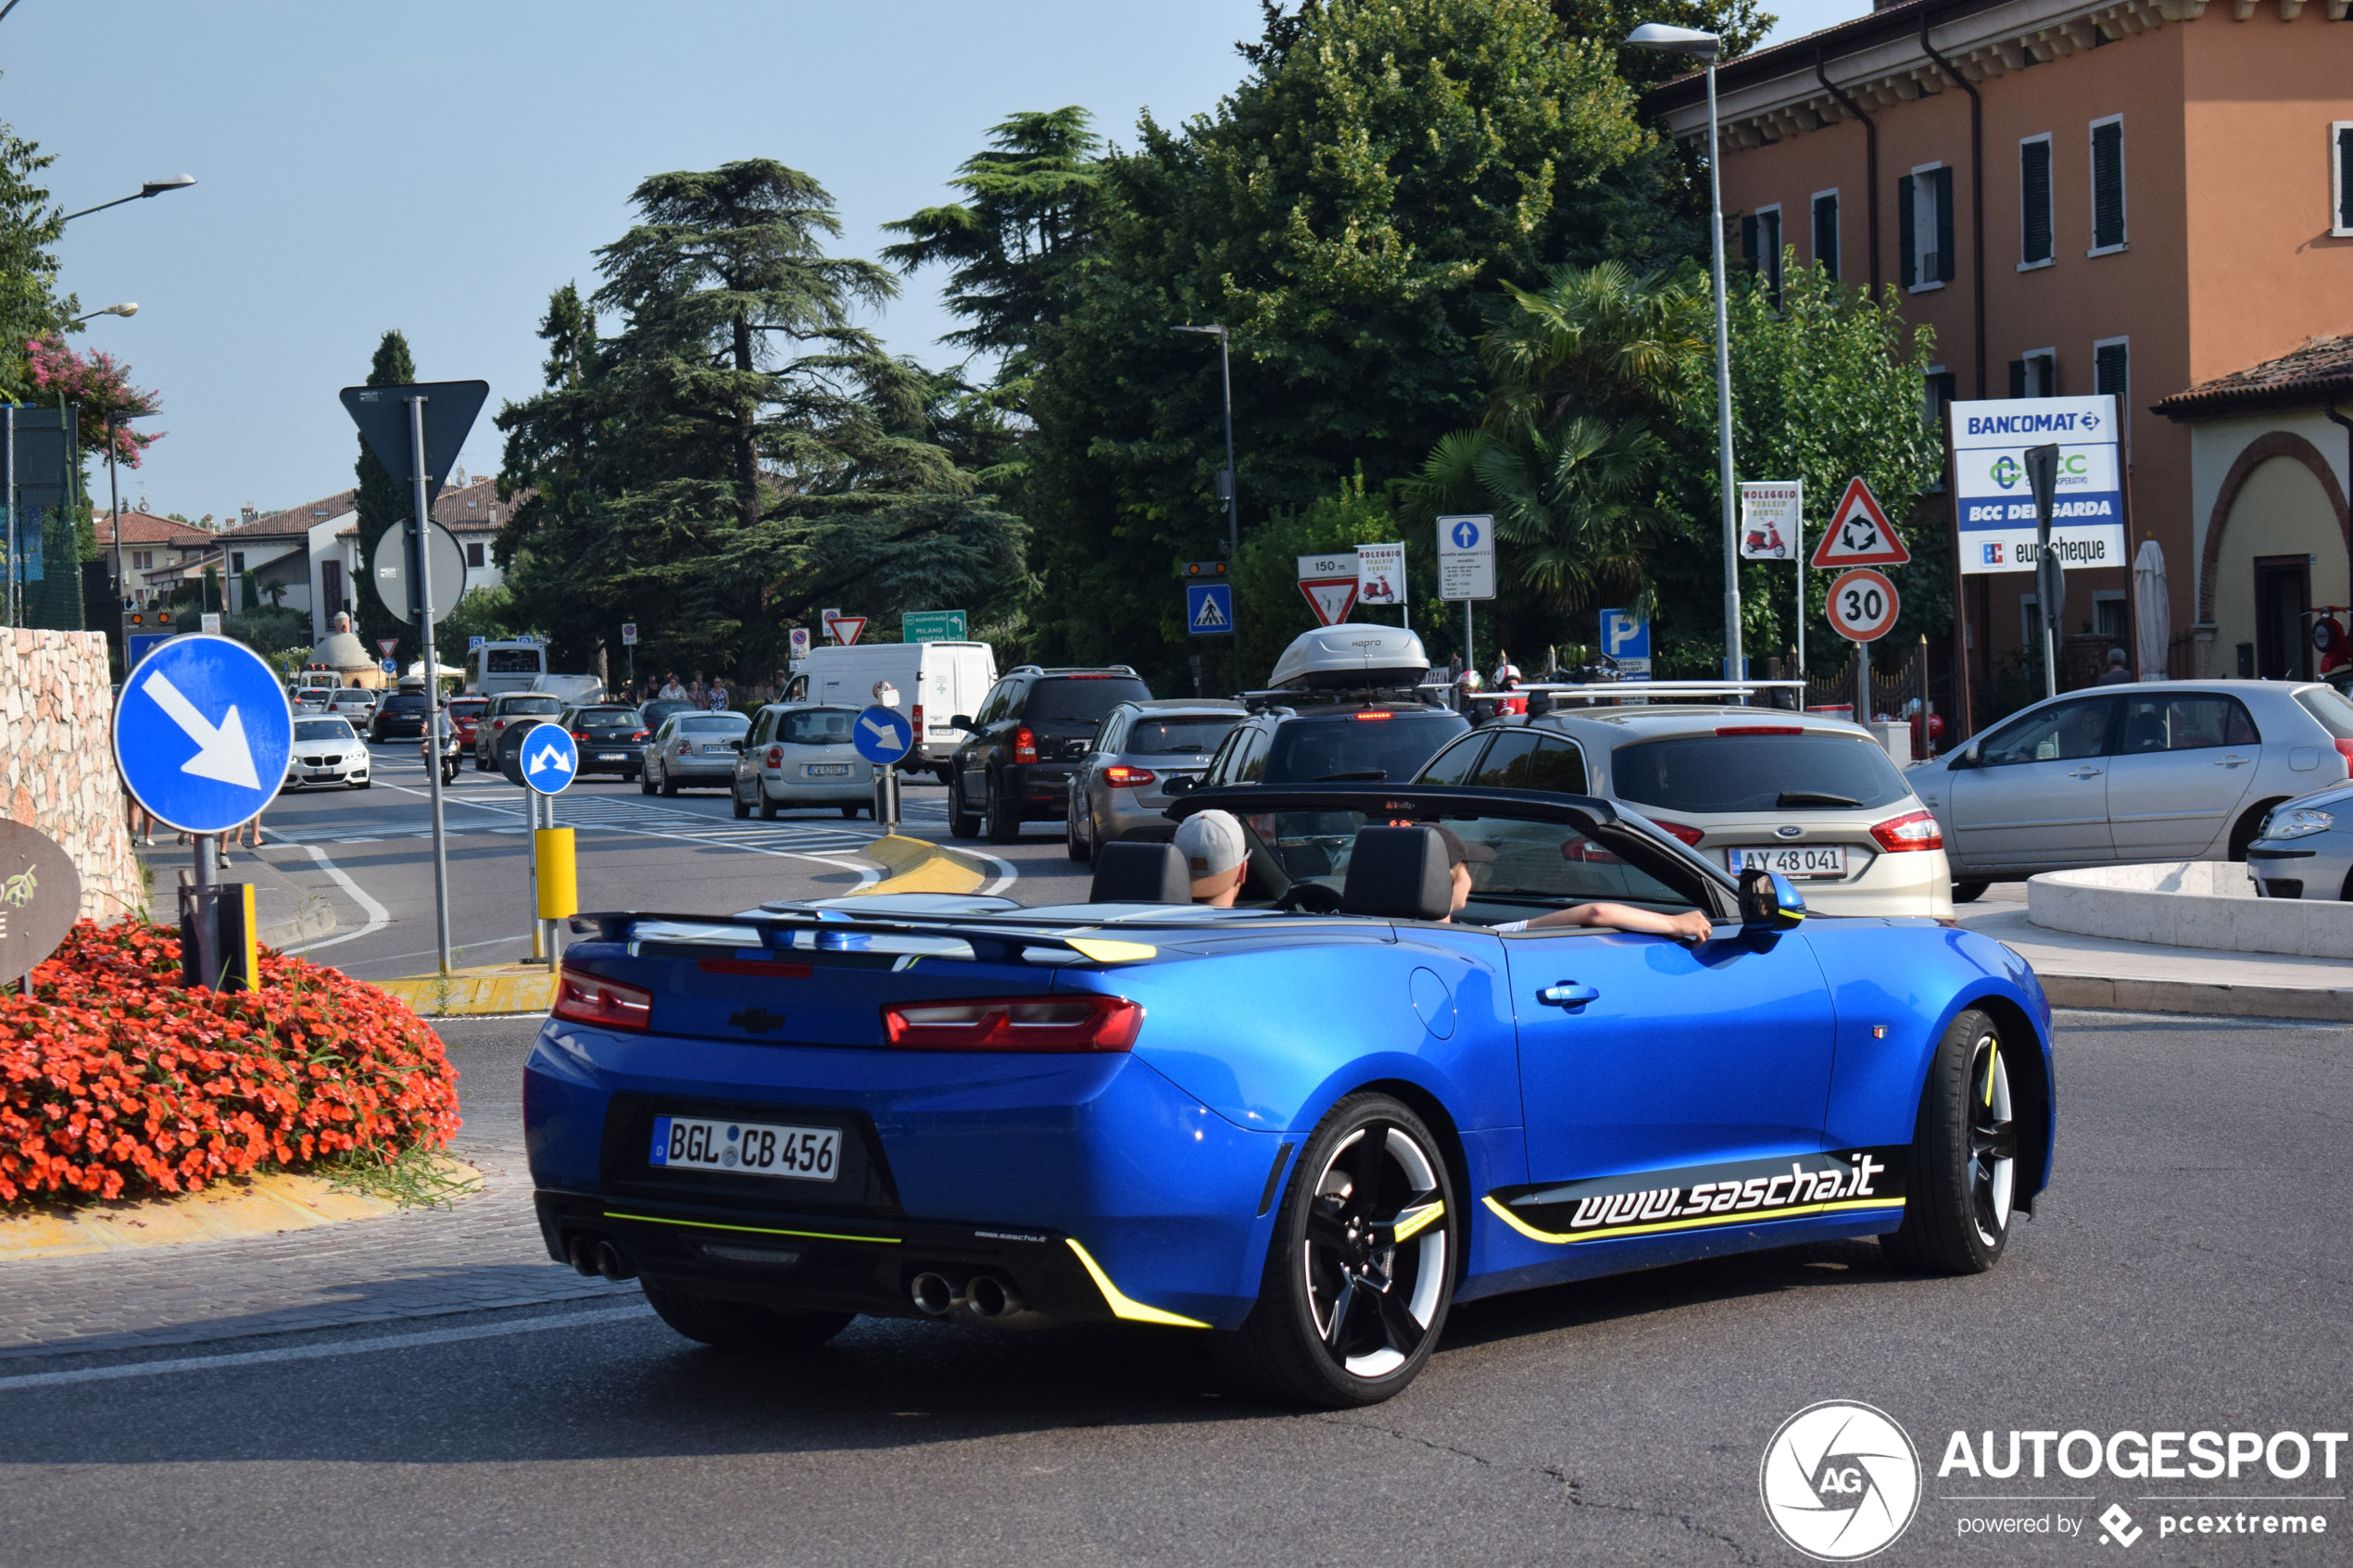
[(578, 691), (936, 682)]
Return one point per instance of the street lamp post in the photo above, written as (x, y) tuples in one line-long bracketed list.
[(152, 188), (1225, 481), (1703, 46), (128, 308)]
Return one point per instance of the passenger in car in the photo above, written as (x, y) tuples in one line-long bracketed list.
[(1216, 856), (1689, 926)]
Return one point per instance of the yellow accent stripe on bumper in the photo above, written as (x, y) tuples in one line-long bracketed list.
[(1415, 1220), (1124, 1306), (1695, 1223), (756, 1230)]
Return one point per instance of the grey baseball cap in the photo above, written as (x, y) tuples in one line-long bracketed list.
[(1212, 843)]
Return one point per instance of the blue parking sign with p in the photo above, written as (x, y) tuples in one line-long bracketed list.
[(1626, 639)]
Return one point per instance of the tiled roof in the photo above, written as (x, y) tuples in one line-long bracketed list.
[(2319, 371), (472, 509), (294, 519), (146, 528)]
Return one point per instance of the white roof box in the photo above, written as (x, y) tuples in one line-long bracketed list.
[(1351, 655)]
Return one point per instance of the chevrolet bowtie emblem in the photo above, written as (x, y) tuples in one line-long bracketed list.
[(756, 1021)]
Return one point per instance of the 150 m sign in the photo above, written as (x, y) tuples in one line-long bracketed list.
[(1862, 606)]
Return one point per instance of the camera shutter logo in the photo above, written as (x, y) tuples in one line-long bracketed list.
[(1840, 1481)]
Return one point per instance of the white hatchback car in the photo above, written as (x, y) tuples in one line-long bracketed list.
[(799, 754), (1812, 798)]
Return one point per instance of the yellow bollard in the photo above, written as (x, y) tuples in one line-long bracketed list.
[(559, 881)]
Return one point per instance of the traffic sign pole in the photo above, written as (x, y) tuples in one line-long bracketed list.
[(424, 580)]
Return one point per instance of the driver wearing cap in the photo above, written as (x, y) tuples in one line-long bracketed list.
[(1216, 856), (1689, 926)]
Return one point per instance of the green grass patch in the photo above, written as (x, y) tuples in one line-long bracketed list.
[(415, 1178)]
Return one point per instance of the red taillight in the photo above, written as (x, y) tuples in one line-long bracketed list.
[(1760, 729), (641, 734), (1376, 713), (1025, 745), (1683, 831), (915, 720), (685, 748), (1015, 1024), (1127, 778), (1913, 830), (591, 998), (580, 736), (2345, 749), (775, 756)]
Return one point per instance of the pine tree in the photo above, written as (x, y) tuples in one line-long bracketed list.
[(382, 503)]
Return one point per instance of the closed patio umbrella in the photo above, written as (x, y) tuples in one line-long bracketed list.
[(2156, 610)]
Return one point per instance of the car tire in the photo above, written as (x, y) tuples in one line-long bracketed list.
[(997, 824), (669, 785), (1969, 892), (1342, 1319), (767, 805), (945, 775), (852, 811), (1079, 846), (366, 782), (2248, 826), (960, 822), (736, 802), (742, 1325), (1957, 1200), (645, 784)]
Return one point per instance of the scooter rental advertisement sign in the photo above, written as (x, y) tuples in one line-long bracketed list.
[(1996, 503)]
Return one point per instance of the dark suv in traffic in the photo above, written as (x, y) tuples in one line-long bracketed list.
[(611, 739), (1025, 742), (402, 717)]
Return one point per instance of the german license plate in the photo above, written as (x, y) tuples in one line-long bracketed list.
[(1792, 859), (717, 750), (825, 770), (800, 1154)]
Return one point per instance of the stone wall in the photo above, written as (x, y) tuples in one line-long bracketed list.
[(57, 760)]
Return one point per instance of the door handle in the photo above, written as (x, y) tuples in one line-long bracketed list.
[(2085, 773), (1567, 994), (2233, 762)]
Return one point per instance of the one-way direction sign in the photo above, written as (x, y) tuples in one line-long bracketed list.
[(1858, 533), (382, 414), (549, 759), (882, 734), (201, 733)]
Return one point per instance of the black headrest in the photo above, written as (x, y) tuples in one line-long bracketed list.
[(1140, 874), (1398, 873)]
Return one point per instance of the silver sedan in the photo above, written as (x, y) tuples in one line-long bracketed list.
[(2161, 770), (692, 749)]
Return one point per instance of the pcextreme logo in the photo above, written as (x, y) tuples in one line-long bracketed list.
[(1840, 1481)]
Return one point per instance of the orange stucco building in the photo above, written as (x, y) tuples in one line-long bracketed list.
[(2150, 198)]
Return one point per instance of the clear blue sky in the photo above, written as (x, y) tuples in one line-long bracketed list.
[(440, 167)]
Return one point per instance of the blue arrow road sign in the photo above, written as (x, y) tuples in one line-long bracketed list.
[(202, 731), (549, 759), (1466, 533), (1209, 608), (882, 734)]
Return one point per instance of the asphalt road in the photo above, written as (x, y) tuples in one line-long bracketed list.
[(685, 853), (2190, 1270)]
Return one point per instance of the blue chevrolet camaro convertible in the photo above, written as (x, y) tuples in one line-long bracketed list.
[(1305, 1125)]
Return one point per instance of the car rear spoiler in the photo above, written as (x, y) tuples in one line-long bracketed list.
[(992, 938)]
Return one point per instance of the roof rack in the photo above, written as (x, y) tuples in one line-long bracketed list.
[(1572, 694), (1071, 670), (1427, 694)]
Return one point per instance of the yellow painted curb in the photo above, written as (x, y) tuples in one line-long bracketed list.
[(918, 865), (247, 1206), (487, 988)]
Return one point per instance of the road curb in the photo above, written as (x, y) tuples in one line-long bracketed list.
[(486, 988), (2202, 998), (263, 1205), (917, 865)]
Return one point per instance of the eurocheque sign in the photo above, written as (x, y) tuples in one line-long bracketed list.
[(1997, 503)]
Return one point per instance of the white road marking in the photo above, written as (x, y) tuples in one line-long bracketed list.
[(321, 1352), (378, 918)]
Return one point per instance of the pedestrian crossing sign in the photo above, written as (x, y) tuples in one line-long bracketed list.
[(1209, 608)]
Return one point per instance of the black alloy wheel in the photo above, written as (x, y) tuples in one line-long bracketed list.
[(1079, 842), (1958, 1210), (998, 823), (1361, 1272)]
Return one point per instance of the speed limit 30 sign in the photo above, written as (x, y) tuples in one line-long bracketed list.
[(1862, 606)]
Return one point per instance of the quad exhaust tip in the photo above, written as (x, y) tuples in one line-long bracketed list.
[(934, 1295), (991, 1298)]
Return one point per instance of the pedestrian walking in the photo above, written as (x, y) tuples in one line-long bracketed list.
[(2116, 674)]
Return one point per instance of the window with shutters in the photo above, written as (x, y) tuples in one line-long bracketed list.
[(2108, 185), (1826, 233), (1924, 227), (2341, 178), (2112, 377), (2035, 374), (2035, 247), (1761, 243)]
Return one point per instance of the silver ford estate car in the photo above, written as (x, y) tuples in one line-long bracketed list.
[(2160, 770)]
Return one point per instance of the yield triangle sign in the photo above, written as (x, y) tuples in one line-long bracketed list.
[(1858, 533), (1330, 597), (845, 628), (382, 414)]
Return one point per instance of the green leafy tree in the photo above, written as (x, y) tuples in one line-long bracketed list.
[(30, 307), (383, 504), (1270, 609), (1739, 23), (1349, 212)]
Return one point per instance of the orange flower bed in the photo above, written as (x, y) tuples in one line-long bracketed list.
[(116, 1081)]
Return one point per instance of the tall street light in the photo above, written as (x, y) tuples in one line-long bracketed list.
[(1703, 46), (128, 307), (152, 188), (1226, 480)]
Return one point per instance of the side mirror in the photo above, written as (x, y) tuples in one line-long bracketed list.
[(1183, 783), (960, 721), (1967, 757), (1770, 901), (735, 746)]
